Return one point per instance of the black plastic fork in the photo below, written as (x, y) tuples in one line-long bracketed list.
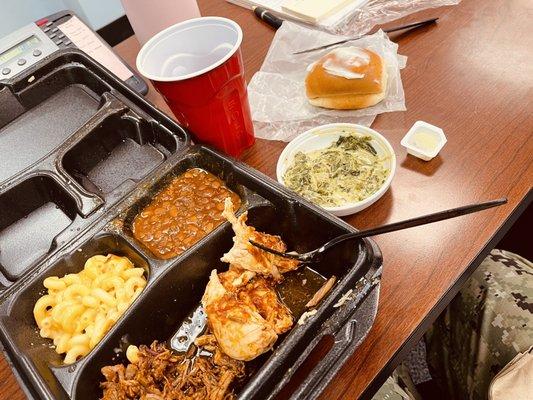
[(315, 255)]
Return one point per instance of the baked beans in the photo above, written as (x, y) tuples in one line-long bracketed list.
[(182, 213)]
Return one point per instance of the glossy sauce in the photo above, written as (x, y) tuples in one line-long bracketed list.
[(425, 140), (182, 213), (298, 287)]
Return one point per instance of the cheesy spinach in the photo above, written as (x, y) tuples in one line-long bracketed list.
[(347, 171)]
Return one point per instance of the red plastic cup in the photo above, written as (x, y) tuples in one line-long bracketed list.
[(197, 66)]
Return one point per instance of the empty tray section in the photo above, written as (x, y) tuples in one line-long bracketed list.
[(121, 148), (32, 214), (41, 129)]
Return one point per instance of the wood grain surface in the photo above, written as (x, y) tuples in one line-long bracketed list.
[(472, 75)]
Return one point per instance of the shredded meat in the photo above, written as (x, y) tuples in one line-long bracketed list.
[(234, 278), (260, 293), (244, 313), (160, 374), (242, 307), (244, 255), (239, 328)]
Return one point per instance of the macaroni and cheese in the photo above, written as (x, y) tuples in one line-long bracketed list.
[(79, 309)]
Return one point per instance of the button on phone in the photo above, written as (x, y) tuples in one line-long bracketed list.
[(60, 36), (46, 29), (6, 71), (37, 52), (55, 30), (58, 42), (21, 61), (53, 35), (67, 42)]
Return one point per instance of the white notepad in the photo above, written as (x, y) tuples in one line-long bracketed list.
[(314, 10), (331, 19)]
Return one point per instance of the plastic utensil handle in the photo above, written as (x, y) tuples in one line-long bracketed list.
[(411, 223), (395, 29)]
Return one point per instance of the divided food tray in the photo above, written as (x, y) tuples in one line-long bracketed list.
[(82, 155)]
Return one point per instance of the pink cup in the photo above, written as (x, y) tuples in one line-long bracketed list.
[(148, 17)]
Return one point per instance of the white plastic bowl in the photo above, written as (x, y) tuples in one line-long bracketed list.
[(321, 137)]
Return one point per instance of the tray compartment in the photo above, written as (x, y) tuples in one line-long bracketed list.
[(32, 214), (22, 332), (43, 128), (120, 149), (222, 170), (175, 294), (38, 84)]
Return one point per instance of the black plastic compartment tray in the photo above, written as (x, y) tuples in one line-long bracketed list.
[(75, 194)]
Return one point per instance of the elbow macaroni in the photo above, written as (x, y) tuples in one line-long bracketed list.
[(132, 354), (79, 309)]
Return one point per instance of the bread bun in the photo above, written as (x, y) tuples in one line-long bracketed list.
[(347, 78)]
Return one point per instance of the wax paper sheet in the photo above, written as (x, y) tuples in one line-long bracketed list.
[(360, 17), (377, 12), (280, 108)]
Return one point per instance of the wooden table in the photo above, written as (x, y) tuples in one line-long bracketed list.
[(472, 75)]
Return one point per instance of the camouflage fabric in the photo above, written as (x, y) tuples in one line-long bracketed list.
[(391, 390), (484, 327)]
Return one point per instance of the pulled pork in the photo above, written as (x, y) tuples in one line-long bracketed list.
[(160, 374)]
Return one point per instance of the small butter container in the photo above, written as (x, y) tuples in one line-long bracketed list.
[(424, 140)]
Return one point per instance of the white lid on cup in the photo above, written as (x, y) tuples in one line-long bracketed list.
[(188, 49)]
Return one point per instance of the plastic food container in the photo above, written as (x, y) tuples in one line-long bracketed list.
[(424, 140), (82, 155), (321, 137)]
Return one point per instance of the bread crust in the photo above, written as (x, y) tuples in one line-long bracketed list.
[(335, 92), (348, 102)]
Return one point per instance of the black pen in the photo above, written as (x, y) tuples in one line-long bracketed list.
[(268, 17)]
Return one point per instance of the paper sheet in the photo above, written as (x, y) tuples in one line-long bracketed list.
[(276, 6), (83, 37)]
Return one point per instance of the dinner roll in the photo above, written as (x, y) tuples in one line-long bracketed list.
[(347, 78)]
